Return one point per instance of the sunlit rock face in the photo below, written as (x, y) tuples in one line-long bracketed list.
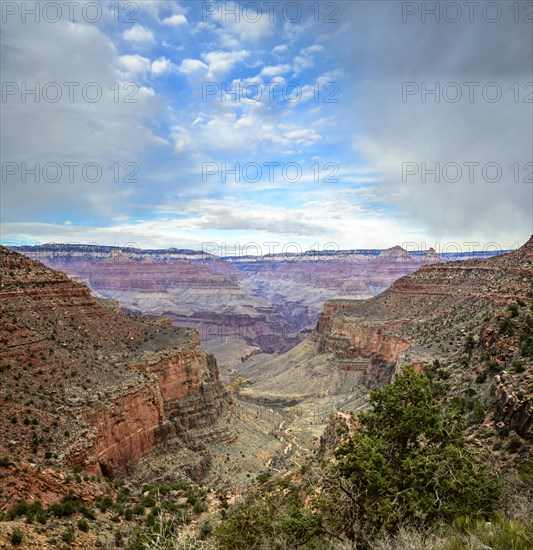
[(105, 386)]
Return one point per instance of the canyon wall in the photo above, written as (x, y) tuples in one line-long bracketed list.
[(85, 384), (266, 301)]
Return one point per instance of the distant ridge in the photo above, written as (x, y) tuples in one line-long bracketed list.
[(394, 253)]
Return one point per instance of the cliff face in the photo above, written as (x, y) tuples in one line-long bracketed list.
[(263, 301), (473, 316), (397, 326), (85, 384), (193, 396), (121, 431)]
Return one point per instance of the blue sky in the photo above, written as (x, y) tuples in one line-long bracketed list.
[(330, 76)]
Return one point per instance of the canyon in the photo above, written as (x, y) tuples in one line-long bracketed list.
[(120, 394), (91, 387), (241, 305), (469, 321), (85, 384)]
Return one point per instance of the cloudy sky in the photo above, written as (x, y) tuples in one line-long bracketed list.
[(307, 124)]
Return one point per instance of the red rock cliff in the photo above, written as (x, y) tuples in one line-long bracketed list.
[(98, 387)]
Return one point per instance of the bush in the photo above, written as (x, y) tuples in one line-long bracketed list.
[(407, 464), (263, 477), (17, 536), (104, 503), (68, 535), (66, 508), (87, 513), (199, 507), (83, 525), (268, 521)]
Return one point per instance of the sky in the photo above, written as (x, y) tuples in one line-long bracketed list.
[(267, 126)]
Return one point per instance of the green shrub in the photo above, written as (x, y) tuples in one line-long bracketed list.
[(17, 536), (68, 534), (87, 513), (66, 508), (199, 507), (408, 463), (263, 477), (83, 525), (104, 503)]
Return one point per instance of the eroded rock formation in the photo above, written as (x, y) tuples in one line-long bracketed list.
[(85, 384), (265, 301)]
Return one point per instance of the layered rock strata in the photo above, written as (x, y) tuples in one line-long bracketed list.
[(85, 384)]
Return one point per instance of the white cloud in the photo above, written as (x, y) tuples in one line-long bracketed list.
[(312, 49), (175, 20), (274, 70), (252, 131), (220, 62), (189, 66), (282, 48), (181, 137), (306, 58), (162, 66), (138, 33), (134, 65)]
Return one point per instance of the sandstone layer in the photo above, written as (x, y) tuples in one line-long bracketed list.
[(265, 301), (85, 384)]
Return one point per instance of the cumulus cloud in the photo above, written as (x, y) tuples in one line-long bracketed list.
[(134, 65), (216, 64), (189, 66), (138, 33), (220, 63), (282, 48), (162, 66), (306, 58), (175, 20), (274, 70)]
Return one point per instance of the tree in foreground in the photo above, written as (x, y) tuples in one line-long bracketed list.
[(407, 464)]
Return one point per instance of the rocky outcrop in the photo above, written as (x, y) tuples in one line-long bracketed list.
[(98, 387), (120, 431), (512, 410)]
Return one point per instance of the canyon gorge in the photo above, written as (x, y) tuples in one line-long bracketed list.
[(241, 305)]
